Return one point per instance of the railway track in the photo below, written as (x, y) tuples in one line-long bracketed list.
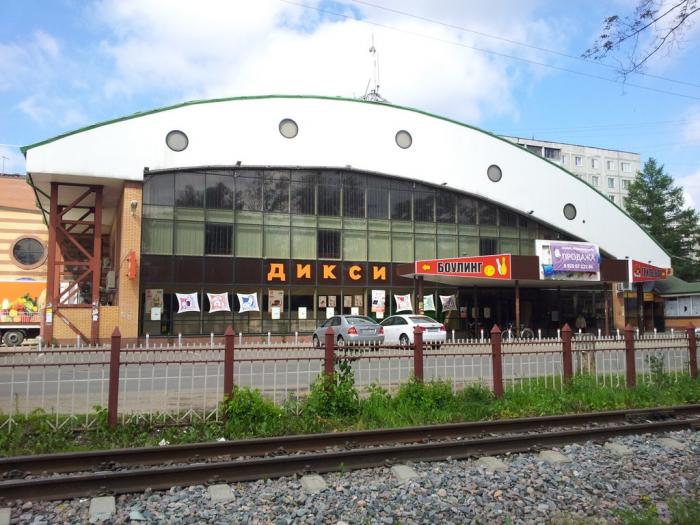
[(252, 459)]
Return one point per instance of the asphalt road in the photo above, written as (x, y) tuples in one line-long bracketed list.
[(75, 387)]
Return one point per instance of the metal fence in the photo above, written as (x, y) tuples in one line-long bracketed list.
[(181, 382)]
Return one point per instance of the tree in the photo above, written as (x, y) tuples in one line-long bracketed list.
[(660, 22), (658, 206)]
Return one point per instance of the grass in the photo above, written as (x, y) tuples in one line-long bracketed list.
[(680, 512), (334, 404)]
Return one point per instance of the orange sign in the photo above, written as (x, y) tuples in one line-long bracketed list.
[(483, 266), (642, 272)]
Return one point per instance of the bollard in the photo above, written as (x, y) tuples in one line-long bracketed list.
[(38, 342), (418, 353), (229, 340), (567, 358), (496, 361), (147, 339), (654, 331), (77, 342), (693, 351), (453, 336), (599, 333), (618, 333), (558, 333), (296, 338), (114, 364), (539, 334), (179, 340), (630, 365), (329, 355), (240, 338), (211, 339), (269, 339), (482, 335)]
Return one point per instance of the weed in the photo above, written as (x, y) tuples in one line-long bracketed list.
[(334, 396), (248, 413)]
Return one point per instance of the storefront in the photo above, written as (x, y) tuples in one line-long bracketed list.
[(309, 206)]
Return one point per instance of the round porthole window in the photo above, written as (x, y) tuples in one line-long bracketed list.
[(494, 173), (28, 252), (288, 128), (404, 139), (570, 211), (176, 140)]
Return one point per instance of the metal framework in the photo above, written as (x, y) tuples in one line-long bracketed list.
[(74, 256)]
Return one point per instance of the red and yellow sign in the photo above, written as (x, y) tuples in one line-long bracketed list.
[(642, 272), (484, 266)]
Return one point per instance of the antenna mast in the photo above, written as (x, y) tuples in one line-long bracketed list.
[(373, 94)]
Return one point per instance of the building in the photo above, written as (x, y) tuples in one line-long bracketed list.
[(681, 302), (23, 250), (316, 205), (608, 171)]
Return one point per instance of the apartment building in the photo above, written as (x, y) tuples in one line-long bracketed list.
[(608, 171)]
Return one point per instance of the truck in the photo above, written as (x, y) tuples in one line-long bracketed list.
[(21, 304)]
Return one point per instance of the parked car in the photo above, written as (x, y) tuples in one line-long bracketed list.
[(398, 329), (350, 329)]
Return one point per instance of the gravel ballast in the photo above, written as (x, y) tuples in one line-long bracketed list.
[(593, 485)]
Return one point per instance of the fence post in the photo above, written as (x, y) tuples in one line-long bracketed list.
[(567, 356), (114, 364), (692, 349), (630, 365), (496, 362), (418, 353), (329, 357), (229, 346)]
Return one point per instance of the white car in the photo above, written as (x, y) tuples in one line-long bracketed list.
[(399, 329)]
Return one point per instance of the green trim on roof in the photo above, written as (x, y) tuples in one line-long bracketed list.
[(24, 149), (676, 286)]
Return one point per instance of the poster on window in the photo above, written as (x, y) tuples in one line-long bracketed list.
[(448, 302), (154, 298), (331, 301), (187, 302), (275, 299), (358, 301), (322, 301), (248, 302), (403, 303), (275, 312), (347, 301), (218, 302), (302, 312), (429, 303), (487, 312), (354, 310), (378, 301), (330, 312)]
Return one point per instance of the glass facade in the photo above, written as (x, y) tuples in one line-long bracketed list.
[(214, 230)]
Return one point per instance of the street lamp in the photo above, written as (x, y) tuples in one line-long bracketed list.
[(4, 158)]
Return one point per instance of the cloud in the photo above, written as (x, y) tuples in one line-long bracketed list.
[(216, 48), (13, 160), (691, 188)]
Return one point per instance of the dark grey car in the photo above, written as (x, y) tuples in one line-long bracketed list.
[(350, 329)]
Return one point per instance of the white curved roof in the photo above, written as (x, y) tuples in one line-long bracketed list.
[(338, 132)]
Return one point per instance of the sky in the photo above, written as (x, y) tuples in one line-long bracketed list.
[(510, 67)]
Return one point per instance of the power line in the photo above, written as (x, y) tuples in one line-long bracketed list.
[(518, 43), (494, 53)]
